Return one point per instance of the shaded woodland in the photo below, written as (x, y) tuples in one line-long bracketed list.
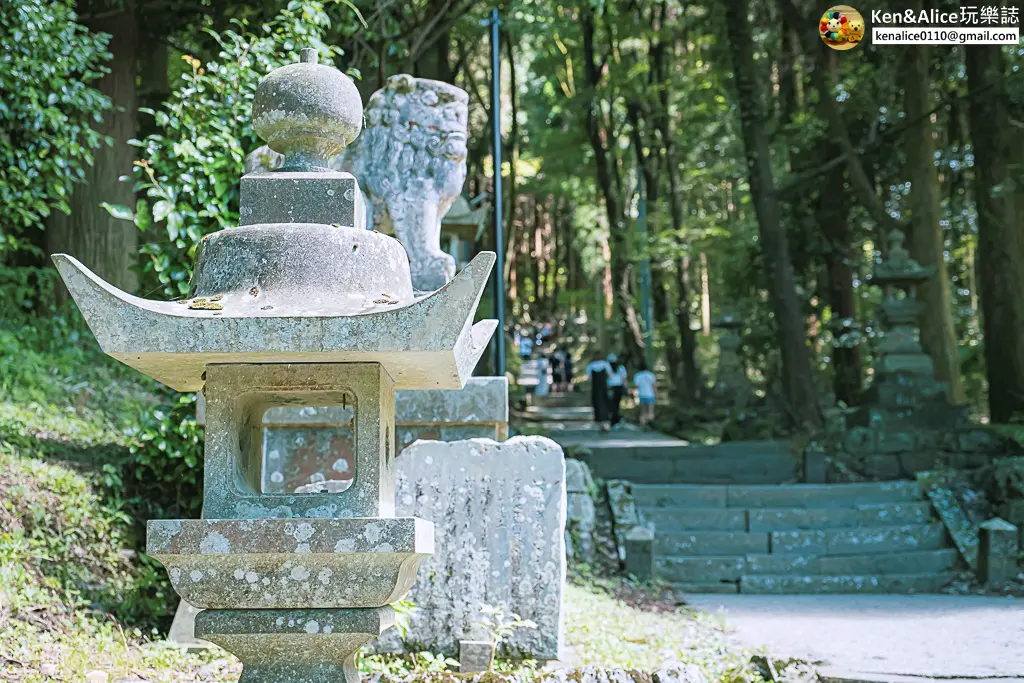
[(771, 169)]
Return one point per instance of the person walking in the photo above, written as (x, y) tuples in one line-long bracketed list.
[(645, 382), (542, 376), (598, 372), (526, 345), (567, 367), (617, 388), (557, 370)]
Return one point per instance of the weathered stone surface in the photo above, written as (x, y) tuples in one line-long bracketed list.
[(711, 542), (854, 541), (891, 514), (411, 161), (732, 386), (671, 520), (328, 198), (624, 513), (820, 583), (483, 400), (815, 465), (577, 477), (640, 554), (581, 514), (308, 112), (183, 628), (237, 397), (283, 563), (499, 513), (997, 553), (304, 446), (962, 525), (697, 569), (295, 646), (430, 342), (475, 655)]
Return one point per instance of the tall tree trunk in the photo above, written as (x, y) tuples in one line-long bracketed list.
[(690, 383), (608, 180), (512, 145), (1000, 254), (686, 374), (798, 378), (927, 242), (107, 245), (435, 62), (832, 211)]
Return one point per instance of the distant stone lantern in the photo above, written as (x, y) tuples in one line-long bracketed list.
[(732, 386), (904, 375), (299, 305)]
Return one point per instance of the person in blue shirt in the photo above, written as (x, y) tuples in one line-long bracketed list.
[(645, 382)]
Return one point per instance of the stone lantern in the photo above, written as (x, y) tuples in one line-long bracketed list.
[(904, 388), (732, 386), (299, 305)]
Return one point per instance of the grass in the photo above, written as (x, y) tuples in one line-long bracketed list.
[(605, 628)]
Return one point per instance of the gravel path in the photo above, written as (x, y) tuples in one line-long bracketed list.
[(940, 636)]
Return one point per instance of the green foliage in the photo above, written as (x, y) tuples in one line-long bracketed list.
[(63, 547), (1004, 479), (167, 458), (47, 65), (190, 168)]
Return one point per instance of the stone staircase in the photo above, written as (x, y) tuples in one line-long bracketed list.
[(797, 538)]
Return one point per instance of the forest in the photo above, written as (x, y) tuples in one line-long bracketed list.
[(770, 169)]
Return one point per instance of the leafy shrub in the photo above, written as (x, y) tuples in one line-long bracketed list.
[(72, 548), (190, 169), (166, 463), (47, 63)]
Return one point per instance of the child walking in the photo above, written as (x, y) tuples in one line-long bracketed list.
[(645, 382)]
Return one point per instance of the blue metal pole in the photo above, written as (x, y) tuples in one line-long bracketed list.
[(499, 239)]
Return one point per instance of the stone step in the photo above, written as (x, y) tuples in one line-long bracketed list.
[(707, 586), (915, 562), (691, 569), (678, 496), (894, 539), (678, 519), (668, 520), (572, 399), (822, 495), (695, 570), (863, 515), (676, 462), (844, 583), (781, 564), (715, 543)]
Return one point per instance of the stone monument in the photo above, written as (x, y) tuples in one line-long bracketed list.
[(299, 305), (904, 391), (499, 510), (732, 386)]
